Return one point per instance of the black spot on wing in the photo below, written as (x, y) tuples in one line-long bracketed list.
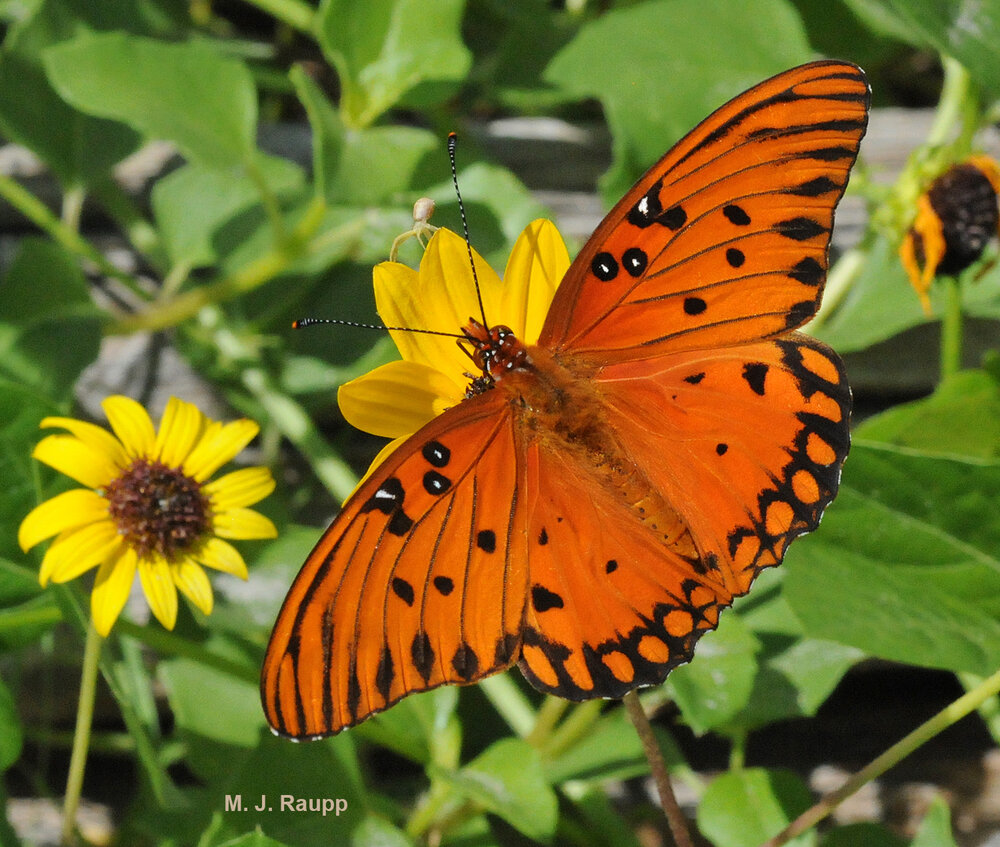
[(486, 540), (388, 497), (754, 373), (694, 379), (800, 229), (543, 600), (694, 305), (813, 188), (799, 313), (465, 661), (403, 590), (436, 454), (604, 267), (423, 655), (543, 537), (736, 215), (808, 271), (634, 261), (445, 585), (385, 673), (436, 483)]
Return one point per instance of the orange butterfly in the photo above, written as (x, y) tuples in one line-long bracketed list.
[(601, 495)]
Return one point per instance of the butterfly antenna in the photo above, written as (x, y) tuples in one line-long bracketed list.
[(452, 144), (301, 323)]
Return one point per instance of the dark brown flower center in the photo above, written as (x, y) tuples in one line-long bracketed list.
[(158, 509)]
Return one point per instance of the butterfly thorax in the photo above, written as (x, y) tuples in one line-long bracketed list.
[(495, 351)]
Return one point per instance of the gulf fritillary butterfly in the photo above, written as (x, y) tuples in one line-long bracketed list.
[(601, 495)]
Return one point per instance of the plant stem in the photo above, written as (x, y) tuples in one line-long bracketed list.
[(658, 768), (951, 328), (952, 104), (948, 716), (67, 237), (81, 736)]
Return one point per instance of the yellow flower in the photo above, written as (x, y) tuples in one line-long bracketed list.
[(147, 506), (956, 216), (398, 398)]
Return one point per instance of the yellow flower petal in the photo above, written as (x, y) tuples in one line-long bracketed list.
[(219, 445), (222, 556), (180, 429), (132, 425), (82, 462), (441, 296), (78, 550), (239, 488), (397, 398), (158, 586), (64, 511), (243, 524), (383, 454), (193, 584), (111, 589), (536, 266), (97, 438)]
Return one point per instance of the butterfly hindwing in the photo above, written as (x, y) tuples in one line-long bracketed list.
[(420, 581), (725, 239), (757, 432), (611, 606)]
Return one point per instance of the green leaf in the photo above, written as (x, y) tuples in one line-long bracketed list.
[(382, 49), (231, 751), (415, 725), (45, 297), (380, 163), (745, 808), (961, 418), (327, 132), (194, 204), (862, 835), (187, 93), (881, 303), (10, 729), (253, 839), (795, 673), (506, 779), (945, 26), (80, 149), (610, 750), (653, 94), (21, 410), (377, 832), (905, 566), (717, 683), (935, 828)]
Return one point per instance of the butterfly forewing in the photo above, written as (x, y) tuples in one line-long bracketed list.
[(419, 582), (725, 239)]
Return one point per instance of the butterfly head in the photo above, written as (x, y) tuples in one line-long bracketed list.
[(495, 351)]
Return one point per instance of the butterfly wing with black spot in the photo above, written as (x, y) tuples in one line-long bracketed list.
[(611, 606), (389, 603), (725, 239), (758, 434)]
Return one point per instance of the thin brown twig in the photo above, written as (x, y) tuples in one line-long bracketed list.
[(658, 769)]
